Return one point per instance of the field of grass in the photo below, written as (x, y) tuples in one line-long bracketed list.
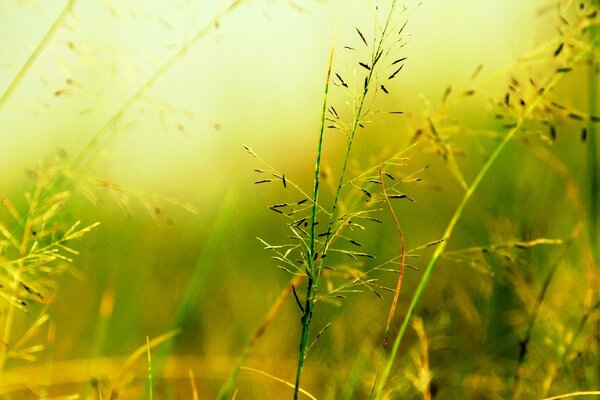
[(307, 199)]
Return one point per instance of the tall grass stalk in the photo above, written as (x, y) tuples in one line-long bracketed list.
[(314, 269), (312, 284), (594, 198), (355, 124), (439, 250), (36, 52)]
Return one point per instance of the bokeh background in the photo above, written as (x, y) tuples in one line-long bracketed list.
[(256, 77)]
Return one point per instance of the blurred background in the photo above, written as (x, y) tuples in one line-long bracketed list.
[(175, 88)]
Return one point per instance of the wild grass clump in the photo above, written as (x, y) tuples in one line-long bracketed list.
[(355, 197), (529, 113), (38, 239), (35, 249)]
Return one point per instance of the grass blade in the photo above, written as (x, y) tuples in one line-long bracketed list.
[(201, 270), (311, 282), (149, 368)]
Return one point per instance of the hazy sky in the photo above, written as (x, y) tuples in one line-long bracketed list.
[(257, 79)]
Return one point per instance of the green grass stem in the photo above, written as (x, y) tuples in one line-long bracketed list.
[(594, 196), (309, 303), (150, 384)]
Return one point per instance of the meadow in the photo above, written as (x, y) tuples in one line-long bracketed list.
[(307, 199)]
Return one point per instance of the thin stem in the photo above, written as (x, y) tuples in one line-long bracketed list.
[(402, 262), (593, 154), (574, 394), (310, 286), (399, 282), (314, 278), (593, 139), (355, 125)]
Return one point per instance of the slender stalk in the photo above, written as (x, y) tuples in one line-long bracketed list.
[(314, 270), (355, 125), (150, 384), (310, 285), (36, 52), (392, 312), (439, 250), (574, 394), (592, 138), (402, 262), (593, 166)]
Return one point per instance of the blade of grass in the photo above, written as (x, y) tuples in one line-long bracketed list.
[(126, 368), (193, 385), (203, 266), (150, 392), (593, 166), (454, 220), (311, 283), (594, 198), (304, 392), (314, 271), (574, 394), (358, 368), (36, 52)]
